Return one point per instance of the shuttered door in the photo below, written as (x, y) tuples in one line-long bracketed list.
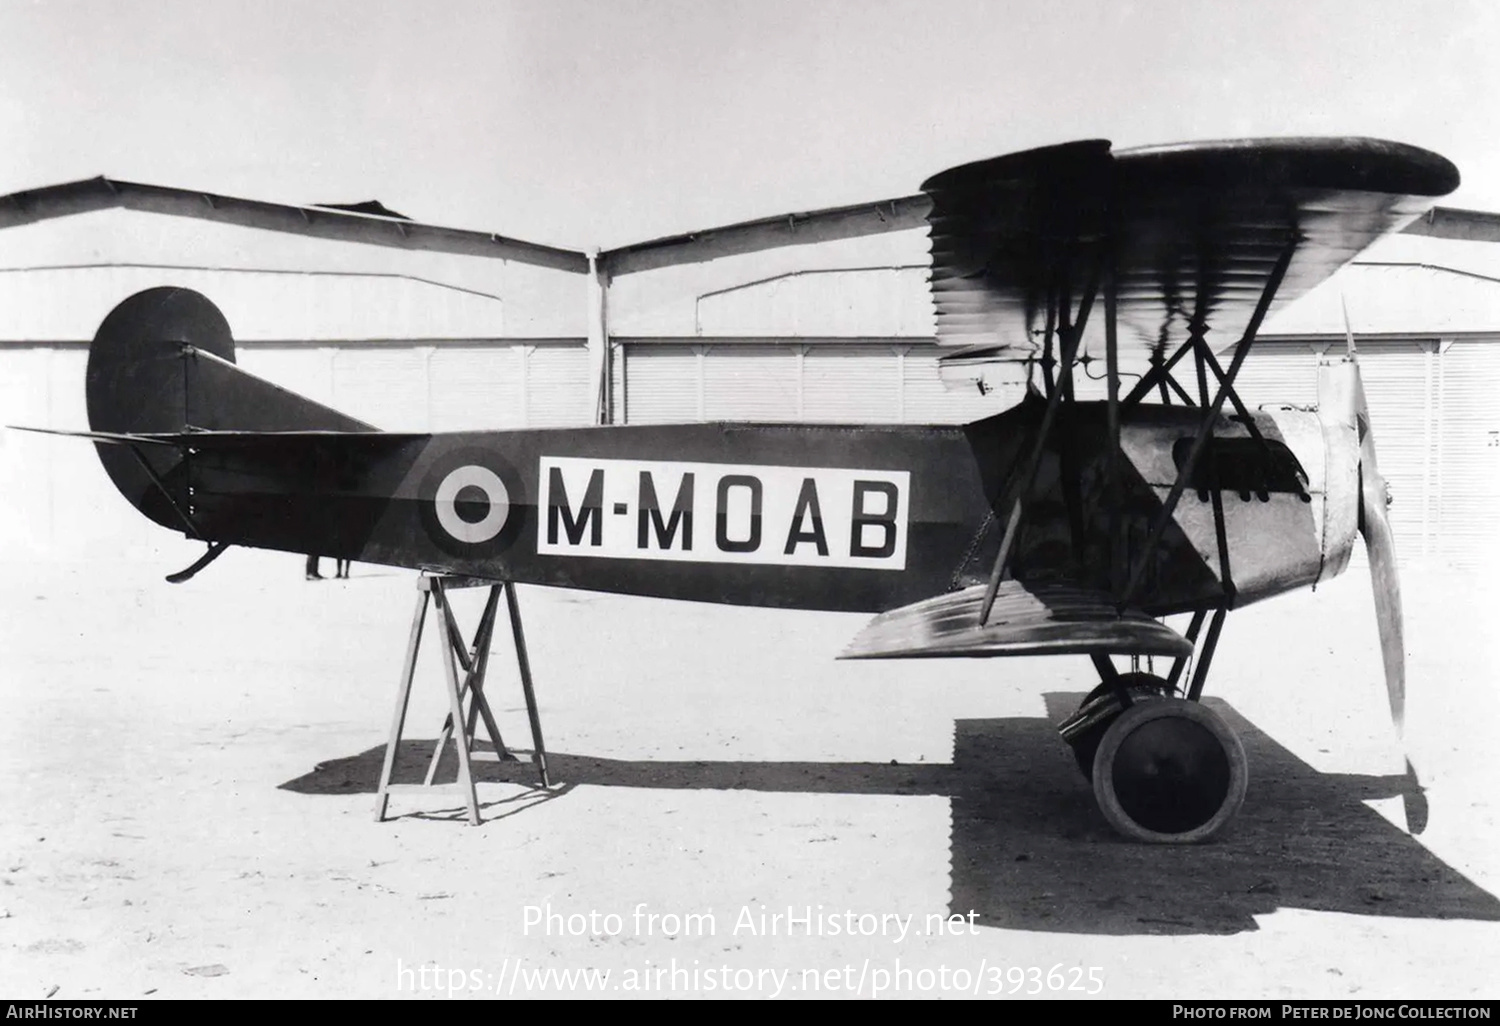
[(1396, 381), (1273, 374), (661, 383), (386, 387), (1468, 490), (926, 400), (851, 383), (750, 382), (477, 388), (557, 386)]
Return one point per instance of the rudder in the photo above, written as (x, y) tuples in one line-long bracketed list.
[(163, 361)]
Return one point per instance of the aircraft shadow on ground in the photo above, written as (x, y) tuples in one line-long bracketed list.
[(1029, 849)]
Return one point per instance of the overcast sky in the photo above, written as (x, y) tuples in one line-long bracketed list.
[(600, 122)]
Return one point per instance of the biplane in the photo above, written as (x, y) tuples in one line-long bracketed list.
[(1063, 525)]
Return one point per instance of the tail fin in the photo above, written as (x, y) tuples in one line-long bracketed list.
[(163, 362)]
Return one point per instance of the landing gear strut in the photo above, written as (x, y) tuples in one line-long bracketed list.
[(1086, 728), (1164, 769)]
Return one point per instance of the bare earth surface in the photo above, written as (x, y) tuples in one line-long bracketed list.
[(188, 776)]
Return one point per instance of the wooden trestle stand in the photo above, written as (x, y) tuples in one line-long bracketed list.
[(462, 721)]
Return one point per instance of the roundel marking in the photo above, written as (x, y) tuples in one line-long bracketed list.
[(445, 504)]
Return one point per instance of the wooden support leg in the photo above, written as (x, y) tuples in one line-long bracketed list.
[(465, 657), (479, 706), (471, 722), (456, 712), (524, 664), (476, 662), (482, 665), (403, 698), (448, 628)]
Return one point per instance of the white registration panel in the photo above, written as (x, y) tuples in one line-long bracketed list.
[(722, 513)]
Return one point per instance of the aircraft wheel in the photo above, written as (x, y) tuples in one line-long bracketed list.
[(1140, 686), (1169, 771)]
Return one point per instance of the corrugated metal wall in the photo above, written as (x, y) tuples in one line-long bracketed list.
[(754, 382), (383, 386), (827, 380), (473, 387), (558, 392), (1274, 374), (1468, 429), (658, 384), (1399, 391), (853, 383)]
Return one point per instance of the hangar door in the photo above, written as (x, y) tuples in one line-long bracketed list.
[(1468, 428), (1401, 388), (663, 381), (444, 386)]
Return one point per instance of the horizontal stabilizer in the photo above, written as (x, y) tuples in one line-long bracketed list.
[(219, 439), (108, 437), (1026, 620)]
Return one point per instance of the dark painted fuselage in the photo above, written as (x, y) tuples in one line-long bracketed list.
[(858, 518)]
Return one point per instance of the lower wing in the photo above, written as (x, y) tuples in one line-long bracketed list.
[(1027, 619)]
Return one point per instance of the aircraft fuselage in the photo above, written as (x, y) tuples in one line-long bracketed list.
[(857, 518)]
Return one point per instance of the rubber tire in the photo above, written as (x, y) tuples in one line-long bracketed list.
[(1140, 715), (1142, 687)]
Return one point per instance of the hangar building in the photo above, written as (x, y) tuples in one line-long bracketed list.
[(416, 327)]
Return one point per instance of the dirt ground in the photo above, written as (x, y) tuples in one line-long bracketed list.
[(189, 774)]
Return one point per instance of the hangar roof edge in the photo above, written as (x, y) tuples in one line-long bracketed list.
[(53, 201), (898, 214), (1394, 299)]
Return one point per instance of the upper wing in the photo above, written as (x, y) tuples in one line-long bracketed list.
[(1192, 231), (1026, 620)]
